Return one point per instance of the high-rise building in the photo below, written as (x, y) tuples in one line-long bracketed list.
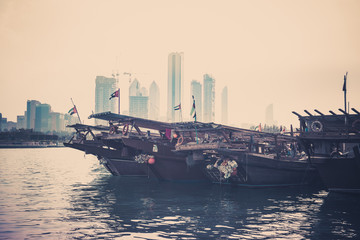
[(138, 103), (154, 101), (70, 120), (57, 122), (42, 117), (197, 93), (209, 98), (175, 78), (103, 90), (3, 124), (269, 115), (224, 106), (20, 122), (30, 113)]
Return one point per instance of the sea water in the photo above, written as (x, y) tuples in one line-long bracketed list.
[(59, 193)]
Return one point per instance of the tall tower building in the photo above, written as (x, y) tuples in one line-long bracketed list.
[(42, 117), (269, 115), (197, 93), (138, 101), (30, 113), (175, 78), (57, 122), (154, 101), (209, 98), (103, 90), (20, 122), (224, 106)]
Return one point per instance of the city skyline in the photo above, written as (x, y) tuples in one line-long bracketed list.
[(103, 89), (154, 101), (40, 117), (224, 105), (138, 100), (209, 98), (291, 54), (175, 86)]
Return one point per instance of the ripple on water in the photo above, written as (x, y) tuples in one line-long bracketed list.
[(59, 194)]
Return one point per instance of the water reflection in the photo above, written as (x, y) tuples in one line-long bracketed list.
[(136, 208), (59, 194), (338, 217)]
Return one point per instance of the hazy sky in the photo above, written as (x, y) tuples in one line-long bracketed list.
[(292, 54)]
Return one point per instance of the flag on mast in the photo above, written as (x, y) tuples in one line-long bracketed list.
[(178, 107), (72, 111), (115, 94), (258, 128), (344, 86), (193, 109)]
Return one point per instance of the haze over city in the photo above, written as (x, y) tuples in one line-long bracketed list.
[(289, 54)]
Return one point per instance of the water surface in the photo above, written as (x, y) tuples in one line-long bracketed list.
[(58, 193)]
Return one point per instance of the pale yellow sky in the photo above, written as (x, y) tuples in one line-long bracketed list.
[(289, 53)]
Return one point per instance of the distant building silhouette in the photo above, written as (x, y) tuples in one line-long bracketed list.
[(0, 122), (103, 90), (175, 79), (154, 101), (20, 122), (4, 124), (269, 115), (70, 120), (209, 98), (196, 91), (30, 113), (138, 102), (42, 117), (57, 122), (224, 106)]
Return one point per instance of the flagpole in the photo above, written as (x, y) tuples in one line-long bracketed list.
[(119, 101), (344, 88), (76, 110), (181, 113)]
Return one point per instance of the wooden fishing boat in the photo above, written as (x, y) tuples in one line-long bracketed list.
[(248, 158), (118, 161), (153, 140), (332, 144)]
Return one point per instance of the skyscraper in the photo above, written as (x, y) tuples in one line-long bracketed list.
[(103, 90), (42, 117), (57, 122), (175, 78), (30, 113), (138, 103), (269, 115), (154, 101), (224, 106), (209, 98), (197, 93), (20, 122)]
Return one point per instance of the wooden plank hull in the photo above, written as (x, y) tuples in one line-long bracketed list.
[(256, 170), (339, 174), (117, 162), (169, 166)]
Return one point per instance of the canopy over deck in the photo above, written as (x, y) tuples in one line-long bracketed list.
[(183, 127), (85, 127), (124, 119)]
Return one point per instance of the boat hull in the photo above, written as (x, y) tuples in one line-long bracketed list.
[(256, 170), (169, 165), (339, 174), (117, 162)]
